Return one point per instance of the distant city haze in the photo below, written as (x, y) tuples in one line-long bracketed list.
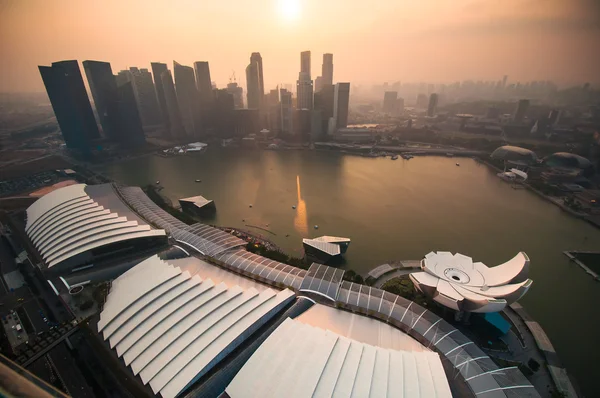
[(372, 41)]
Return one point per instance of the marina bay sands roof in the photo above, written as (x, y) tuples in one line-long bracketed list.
[(321, 363), (71, 222)]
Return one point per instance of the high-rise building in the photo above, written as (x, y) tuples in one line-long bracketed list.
[(71, 105), (238, 94), (389, 101), (187, 96), (316, 125), (318, 84), (130, 124), (157, 70), (176, 130), (103, 86), (341, 102), (305, 62), (323, 101), (286, 110), (433, 102), (272, 104), (327, 69), (521, 110), (304, 85), (254, 82), (504, 79), (400, 105), (203, 82), (145, 95), (123, 77), (224, 113)]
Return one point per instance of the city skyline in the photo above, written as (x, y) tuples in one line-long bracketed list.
[(549, 42)]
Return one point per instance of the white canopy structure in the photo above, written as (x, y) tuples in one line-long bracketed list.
[(298, 360), (456, 282), (171, 328), (325, 247), (70, 223)]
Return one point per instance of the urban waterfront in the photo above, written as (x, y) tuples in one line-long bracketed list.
[(398, 210)]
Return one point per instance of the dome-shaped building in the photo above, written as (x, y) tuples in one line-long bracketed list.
[(515, 155), (568, 160)]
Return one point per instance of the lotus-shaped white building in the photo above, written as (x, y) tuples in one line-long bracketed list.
[(456, 282)]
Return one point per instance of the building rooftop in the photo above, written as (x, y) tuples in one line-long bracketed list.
[(79, 218), (199, 201), (170, 327), (324, 364)]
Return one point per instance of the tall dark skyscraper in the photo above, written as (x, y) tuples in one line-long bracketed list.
[(224, 113), (327, 69), (304, 85), (145, 95), (433, 103), (521, 110), (177, 130), (286, 115), (71, 105), (187, 95), (103, 86), (323, 101), (131, 131), (203, 82), (254, 81), (341, 102), (157, 70), (326, 78)]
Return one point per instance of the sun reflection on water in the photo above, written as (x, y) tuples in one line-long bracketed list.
[(301, 220)]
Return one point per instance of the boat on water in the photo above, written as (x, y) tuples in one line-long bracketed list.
[(407, 156), (293, 207), (316, 227), (157, 182), (198, 180), (458, 164), (250, 205), (394, 157)]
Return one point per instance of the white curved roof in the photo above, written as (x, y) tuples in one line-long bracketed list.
[(320, 363), (455, 281), (78, 218), (326, 247), (171, 328)]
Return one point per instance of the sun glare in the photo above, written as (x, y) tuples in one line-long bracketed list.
[(289, 9)]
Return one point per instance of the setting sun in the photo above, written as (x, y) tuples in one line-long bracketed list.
[(289, 9)]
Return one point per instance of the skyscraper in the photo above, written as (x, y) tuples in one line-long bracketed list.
[(433, 102), (286, 110), (131, 131), (318, 84), (238, 94), (157, 70), (304, 85), (254, 82), (71, 105), (327, 69), (123, 77), (177, 130), (203, 82), (390, 99), (305, 62), (224, 113), (323, 101), (145, 95), (521, 110), (341, 102), (103, 86), (187, 96)]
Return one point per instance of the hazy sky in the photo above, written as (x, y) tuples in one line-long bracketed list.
[(372, 40)]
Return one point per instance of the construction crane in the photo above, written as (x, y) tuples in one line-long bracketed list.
[(232, 77)]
